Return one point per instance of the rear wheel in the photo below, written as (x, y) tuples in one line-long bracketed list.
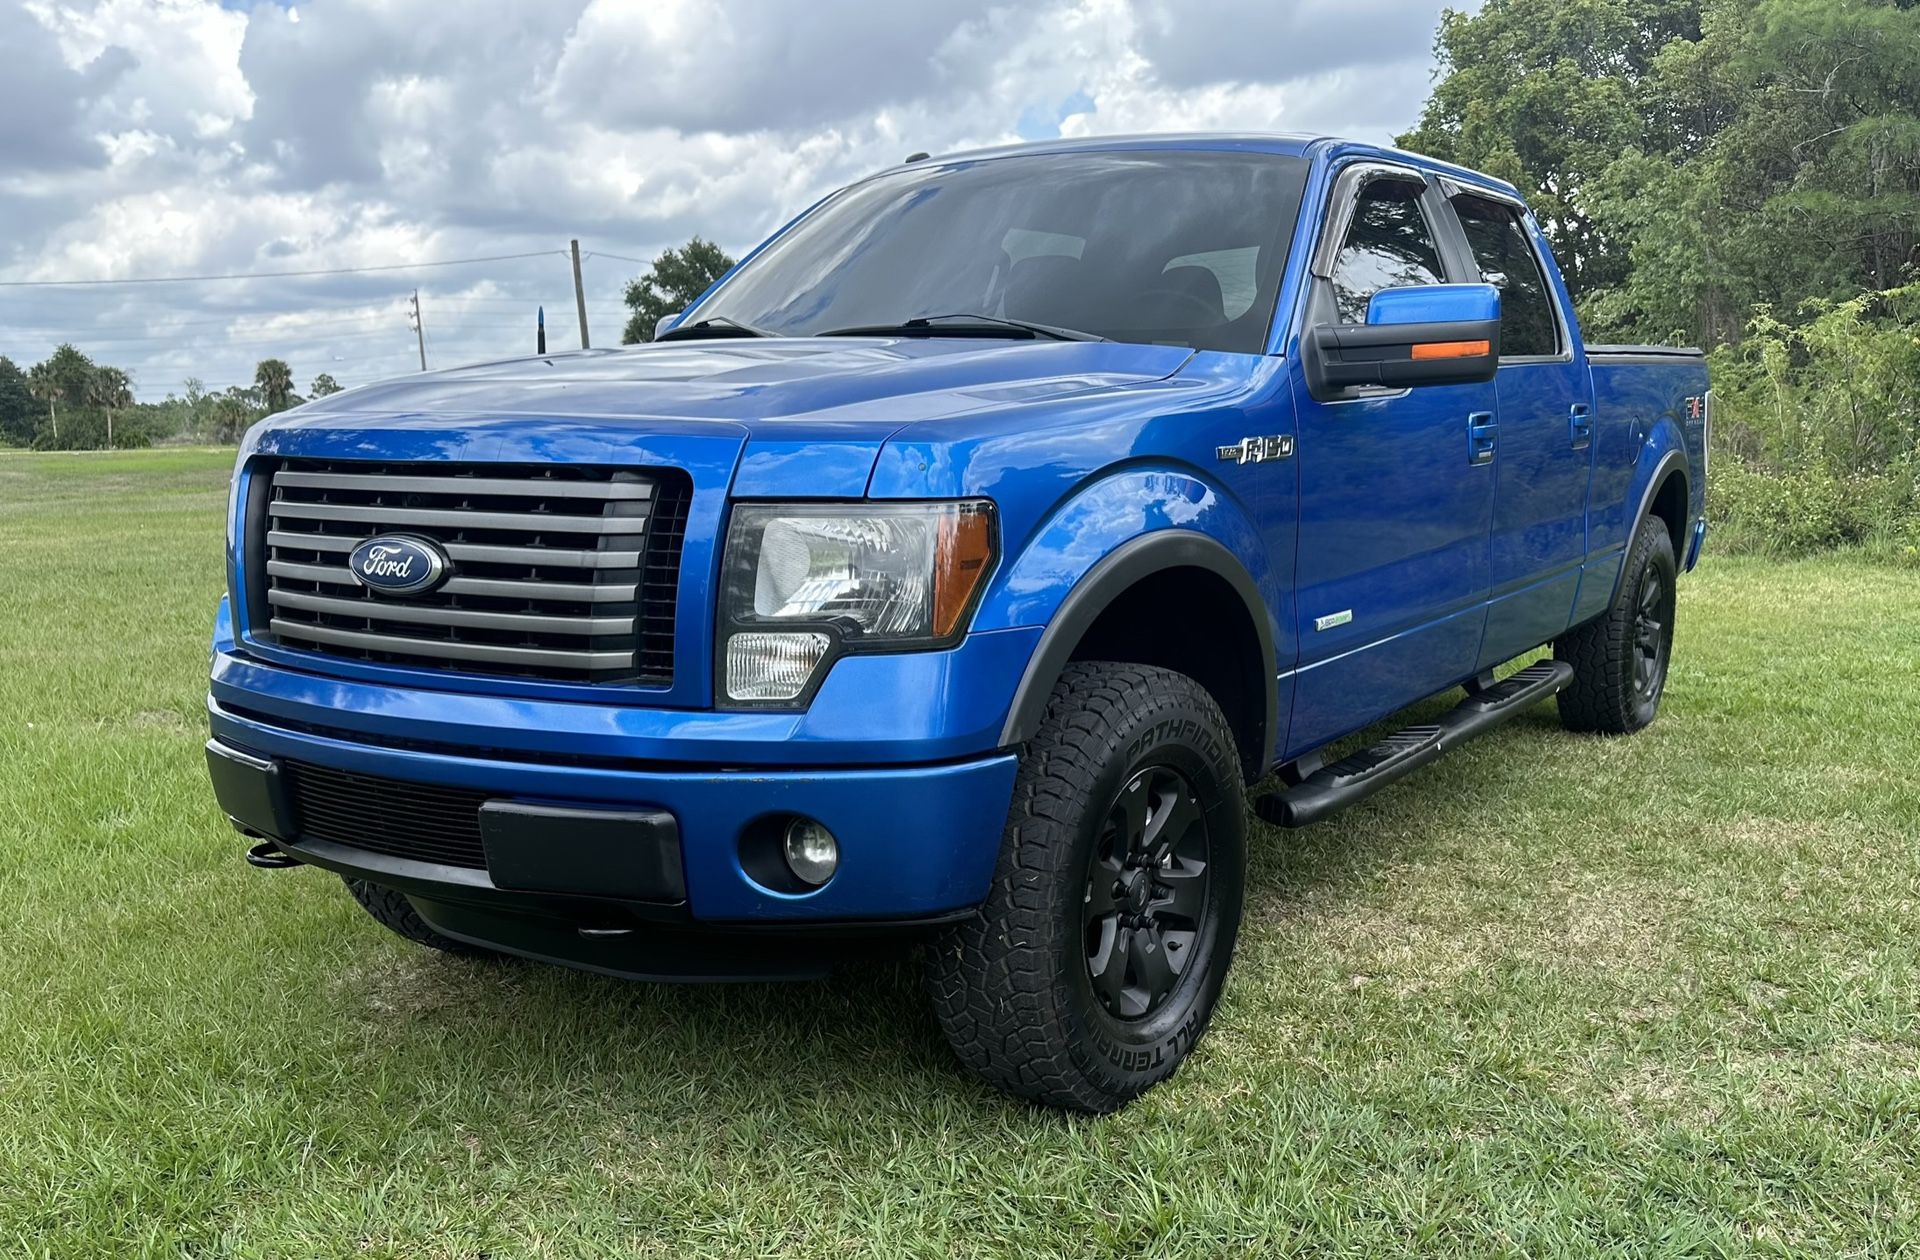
[(391, 909), (1620, 660), (1093, 967)]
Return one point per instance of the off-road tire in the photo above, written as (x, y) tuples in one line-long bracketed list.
[(1605, 696), (393, 911), (1011, 986)]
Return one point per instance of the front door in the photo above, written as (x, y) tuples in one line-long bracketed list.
[(1545, 450), (1396, 501)]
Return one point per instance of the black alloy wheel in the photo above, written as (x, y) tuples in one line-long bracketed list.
[(1652, 640), (1091, 970), (1621, 657), (1147, 893)]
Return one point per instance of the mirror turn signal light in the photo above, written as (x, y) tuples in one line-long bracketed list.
[(1450, 349)]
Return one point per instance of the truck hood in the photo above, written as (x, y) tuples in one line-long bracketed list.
[(750, 382), (791, 416)]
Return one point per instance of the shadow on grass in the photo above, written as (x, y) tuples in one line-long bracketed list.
[(866, 1030), (1432, 803)]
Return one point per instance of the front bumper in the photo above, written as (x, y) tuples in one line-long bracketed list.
[(916, 842), (897, 755)]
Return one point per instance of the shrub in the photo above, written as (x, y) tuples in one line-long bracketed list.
[(1817, 430), (85, 429)]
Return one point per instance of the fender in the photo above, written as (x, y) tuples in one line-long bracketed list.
[(1674, 458), (1127, 564)]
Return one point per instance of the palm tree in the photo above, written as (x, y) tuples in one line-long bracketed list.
[(275, 381), (108, 388), (45, 388), (230, 418)]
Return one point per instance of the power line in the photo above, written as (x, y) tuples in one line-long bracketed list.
[(514, 301), (305, 334), (644, 262), (243, 369), (215, 342), (280, 275), (41, 330)]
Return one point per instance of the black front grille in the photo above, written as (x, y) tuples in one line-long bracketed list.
[(556, 572), (403, 820)]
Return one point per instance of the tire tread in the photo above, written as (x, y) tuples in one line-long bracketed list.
[(390, 908), (1598, 701), (994, 978)]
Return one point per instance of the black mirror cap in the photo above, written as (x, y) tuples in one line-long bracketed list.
[(666, 324), (1343, 357)]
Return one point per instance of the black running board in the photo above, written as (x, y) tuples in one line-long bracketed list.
[(1332, 788)]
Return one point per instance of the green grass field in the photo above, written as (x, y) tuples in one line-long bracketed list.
[(1556, 995)]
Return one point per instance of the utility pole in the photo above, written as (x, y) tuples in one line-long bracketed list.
[(540, 332), (419, 328), (579, 295)]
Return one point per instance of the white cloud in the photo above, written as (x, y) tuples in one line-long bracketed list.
[(183, 72), (179, 137)]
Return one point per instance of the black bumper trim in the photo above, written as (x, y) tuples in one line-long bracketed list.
[(626, 855), (537, 855), (251, 790)]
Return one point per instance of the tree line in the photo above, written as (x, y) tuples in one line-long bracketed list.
[(1741, 175), (69, 402)]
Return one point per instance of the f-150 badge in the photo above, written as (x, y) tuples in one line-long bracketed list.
[(1258, 450)]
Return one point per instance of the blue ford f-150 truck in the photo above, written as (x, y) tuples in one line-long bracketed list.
[(958, 565)]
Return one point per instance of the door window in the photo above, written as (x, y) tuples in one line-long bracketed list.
[(1389, 245), (1498, 239)]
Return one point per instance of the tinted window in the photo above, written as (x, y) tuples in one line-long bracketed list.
[(1500, 247), (1389, 246), (1178, 248), (1237, 270)]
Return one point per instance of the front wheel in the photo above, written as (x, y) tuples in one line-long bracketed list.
[(390, 908), (1093, 967), (1620, 660)]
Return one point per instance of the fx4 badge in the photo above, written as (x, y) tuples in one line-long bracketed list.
[(1258, 450)]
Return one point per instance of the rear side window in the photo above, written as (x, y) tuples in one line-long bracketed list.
[(1389, 245), (1506, 260)]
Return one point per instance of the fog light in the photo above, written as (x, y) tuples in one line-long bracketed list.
[(772, 666), (811, 851)]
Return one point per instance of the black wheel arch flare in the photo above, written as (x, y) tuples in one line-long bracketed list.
[(1133, 561)]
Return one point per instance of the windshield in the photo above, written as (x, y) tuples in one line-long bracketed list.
[(1170, 248)]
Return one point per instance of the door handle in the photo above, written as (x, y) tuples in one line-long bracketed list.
[(1580, 426), (1482, 436)]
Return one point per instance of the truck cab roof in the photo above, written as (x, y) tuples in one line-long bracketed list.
[(1289, 143)]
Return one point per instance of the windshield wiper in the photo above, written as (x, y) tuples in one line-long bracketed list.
[(928, 325), (717, 326)]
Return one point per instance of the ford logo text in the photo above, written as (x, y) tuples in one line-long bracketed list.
[(394, 565)]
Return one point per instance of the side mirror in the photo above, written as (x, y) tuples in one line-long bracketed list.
[(667, 323), (1433, 334)]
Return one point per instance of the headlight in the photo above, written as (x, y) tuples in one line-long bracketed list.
[(804, 582)]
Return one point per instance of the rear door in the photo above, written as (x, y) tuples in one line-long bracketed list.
[(1545, 451), (1395, 507)]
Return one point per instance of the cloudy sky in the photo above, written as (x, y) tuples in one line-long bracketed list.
[(163, 138)]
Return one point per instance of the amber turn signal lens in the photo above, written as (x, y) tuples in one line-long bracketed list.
[(1450, 349), (964, 554)]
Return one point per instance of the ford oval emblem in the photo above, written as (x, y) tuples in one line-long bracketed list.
[(393, 564)]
